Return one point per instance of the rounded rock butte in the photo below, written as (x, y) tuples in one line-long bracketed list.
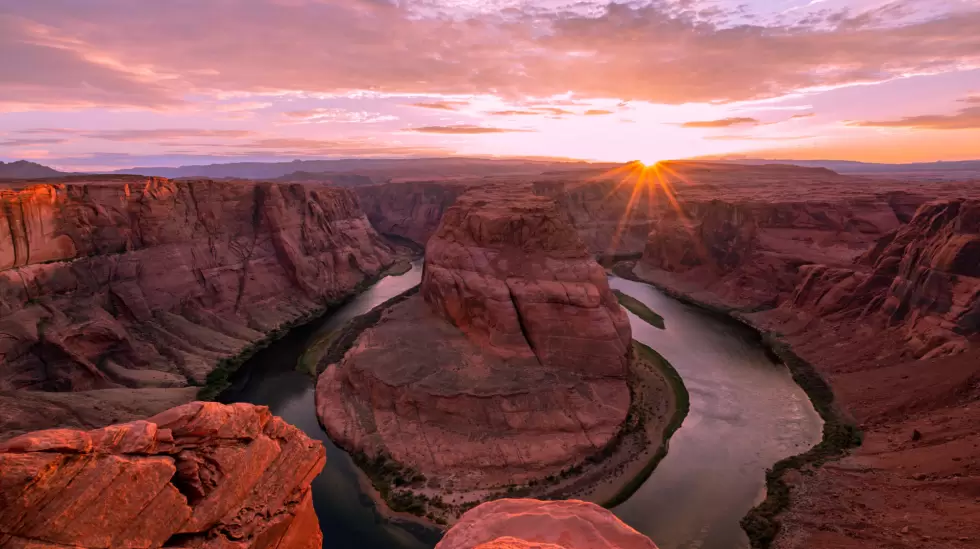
[(510, 366), (533, 524)]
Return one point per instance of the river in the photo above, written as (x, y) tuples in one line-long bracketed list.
[(746, 414)]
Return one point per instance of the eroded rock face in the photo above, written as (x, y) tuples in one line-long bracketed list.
[(509, 270), (597, 209), (199, 475), (924, 278), (891, 325), (410, 210), (509, 366), (145, 282), (532, 524), (748, 254)]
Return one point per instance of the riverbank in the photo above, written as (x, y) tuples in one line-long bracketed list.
[(219, 378), (761, 524), (659, 403)]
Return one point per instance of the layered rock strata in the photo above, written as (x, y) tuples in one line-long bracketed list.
[(509, 366), (199, 475), (892, 325), (532, 524), (130, 282)]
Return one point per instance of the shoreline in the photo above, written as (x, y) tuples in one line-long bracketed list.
[(839, 436), (220, 378)]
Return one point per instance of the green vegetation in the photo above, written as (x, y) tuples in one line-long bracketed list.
[(682, 405), (839, 436), (638, 308)]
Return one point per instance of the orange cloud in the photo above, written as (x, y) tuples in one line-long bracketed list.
[(597, 112), (723, 123), (965, 119), (440, 105), (464, 129)]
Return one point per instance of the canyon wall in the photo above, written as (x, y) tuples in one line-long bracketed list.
[(510, 366), (146, 283), (199, 475), (597, 209), (884, 304)]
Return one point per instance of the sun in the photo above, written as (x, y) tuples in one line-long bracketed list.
[(650, 162)]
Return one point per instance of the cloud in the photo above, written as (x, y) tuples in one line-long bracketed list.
[(597, 112), (723, 123), (440, 105), (805, 115), (138, 135), (759, 138), (533, 111), (31, 142), (68, 52), (321, 115), (965, 119), (42, 69), (464, 129)]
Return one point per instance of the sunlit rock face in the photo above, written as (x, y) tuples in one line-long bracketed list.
[(199, 475), (511, 363), (532, 524), (131, 282)]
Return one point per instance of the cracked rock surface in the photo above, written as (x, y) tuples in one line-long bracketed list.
[(199, 475), (126, 282), (509, 365)]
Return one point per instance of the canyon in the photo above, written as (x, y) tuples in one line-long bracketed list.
[(120, 295), (123, 297)]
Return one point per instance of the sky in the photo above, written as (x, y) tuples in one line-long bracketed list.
[(93, 85)]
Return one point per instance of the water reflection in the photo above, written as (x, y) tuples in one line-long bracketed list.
[(746, 414)]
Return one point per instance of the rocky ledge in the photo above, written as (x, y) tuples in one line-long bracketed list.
[(202, 475), (510, 365), (532, 524), (148, 284)]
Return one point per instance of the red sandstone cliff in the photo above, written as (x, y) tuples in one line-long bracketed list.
[(510, 366), (140, 283), (202, 475), (889, 318), (532, 524)]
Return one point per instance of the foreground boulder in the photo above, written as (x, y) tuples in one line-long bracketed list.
[(199, 475), (510, 366), (532, 524), (131, 282)]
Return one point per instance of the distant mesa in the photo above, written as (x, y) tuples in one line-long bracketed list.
[(22, 169)]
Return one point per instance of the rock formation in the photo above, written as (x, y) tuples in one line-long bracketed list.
[(884, 304), (532, 524), (200, 475), (410, 210), (597, 209), (130, 282), (510, 366)]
